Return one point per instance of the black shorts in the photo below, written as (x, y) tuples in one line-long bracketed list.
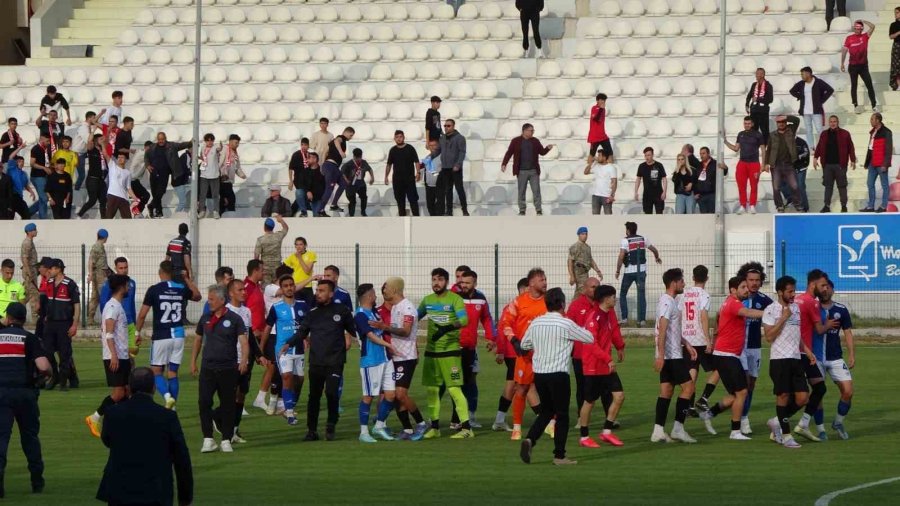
[(607, 147), (403, 373), (812, 371), (120, 377), (703, 360), (510, 368), (595, 386), (269, 352), (469, 365), (787, 376), (731, 372), (674, 371)]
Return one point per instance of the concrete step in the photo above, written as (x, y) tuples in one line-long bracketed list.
[(115, 4), (87, 41), (107, 13), (99, 24), (64, 62)]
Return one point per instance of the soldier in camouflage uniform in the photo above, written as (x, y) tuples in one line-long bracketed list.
[(29, 269), (581, 261), (268, 247), (98, 270)]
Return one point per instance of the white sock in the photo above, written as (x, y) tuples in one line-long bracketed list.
[(500, 418), (280, 403), (552, 423), (517, 426), (408, 431), (838, 418), (607, 431), (95, 417), (272, 402), (289, 412), (363, 430), (820, 427), (744, 419), (658, 428), (677, 427), (804, 420), (735, 432), (261, 396), (471, 416), (379, 424)]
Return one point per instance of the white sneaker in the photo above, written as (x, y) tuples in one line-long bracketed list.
[(875, 108), (215, 215), (775, 429), (260, 403), (805, 432), (682, 435), (707, 417), (225, 446), (745, 426), (790, 442), (209, 445), (540, 53), (244, 412), (752, 209), (659, 435), (201, 215), (270, 409), (474, 423), (737, 436), (741, 210), (501, 427)]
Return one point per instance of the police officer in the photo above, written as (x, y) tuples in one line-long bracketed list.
[(61, 319), (10, 289), (581, 261), (98, 271), (29, 261), (268, 247), (328, 327), (21, 361)]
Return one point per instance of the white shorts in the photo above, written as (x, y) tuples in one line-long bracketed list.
[(750, 360), (292, 364), (838, 370), (166, 351), (377, 379)]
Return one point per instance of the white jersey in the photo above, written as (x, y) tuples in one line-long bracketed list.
[(787, 344), (244, 313), (114, 311), (667, 308), (691, 304), (402, 313), (270, 297)]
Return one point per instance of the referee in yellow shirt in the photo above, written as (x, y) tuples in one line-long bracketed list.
[(10, 289)]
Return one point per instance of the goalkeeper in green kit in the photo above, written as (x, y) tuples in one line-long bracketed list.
[(446, 313)]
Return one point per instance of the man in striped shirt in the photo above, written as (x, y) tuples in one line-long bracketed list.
[(551, 336)]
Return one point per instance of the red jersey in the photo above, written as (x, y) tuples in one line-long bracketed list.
[(478, 312), (731, 328), (858, 48), (597, 132), (111, 136), (522, 311), (384, 311), (255, 301), (502, 341), (810, 315), (578, 312), (597, 355)]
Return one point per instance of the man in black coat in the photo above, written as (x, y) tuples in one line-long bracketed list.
[(145, 442)]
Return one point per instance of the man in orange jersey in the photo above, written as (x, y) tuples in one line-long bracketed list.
[(506, 355), (524, 309)]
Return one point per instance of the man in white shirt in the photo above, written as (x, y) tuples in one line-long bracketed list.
[(781, 322), (210, 175), (603, 189), (118, 192), (694, 307), (114, 110), (79, 144)]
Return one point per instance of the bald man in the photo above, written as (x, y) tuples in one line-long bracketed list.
[(578, 311)]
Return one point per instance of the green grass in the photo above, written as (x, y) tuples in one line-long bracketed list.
[(276, 468)]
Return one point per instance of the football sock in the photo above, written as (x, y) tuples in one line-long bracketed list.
[(364, 415), (747, 402), (173, 387), (708, 391), (681, 408), (781, 412), (662, 410), (842, 409), (518, 408), (162, 386)]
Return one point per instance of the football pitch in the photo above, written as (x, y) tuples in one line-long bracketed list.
[(275, 467)]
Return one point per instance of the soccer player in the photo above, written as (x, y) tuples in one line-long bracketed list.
[(375, 368), (694, 307), (726, 356), (600, 376), (285, 317), (751, 358), (811, 321), (506, 355), (670, 364), (271, 382), (579, 309), (237, 298), (446, 313), (781, 322), (829, 353), (116, 360), (478, 311), (166, 299), (525, 308)]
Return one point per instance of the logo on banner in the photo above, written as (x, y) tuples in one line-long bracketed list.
[(858, 246)]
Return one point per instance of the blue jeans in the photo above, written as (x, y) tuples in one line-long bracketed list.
[(79, 171), (39, 208), (876, 173), (627, 280), (684, 204), (300, 199), (813, 123), (182, 193)]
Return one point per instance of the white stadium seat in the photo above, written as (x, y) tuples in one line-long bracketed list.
[(670, 28), (326, 14), (623, 68), (681, 7), (646, 108), (657, 7), (645, 28), (98, 77), (607, 9), (257, 16), (443, 12), (230, 55), (743, 26), (661, 129), (75, 77), (772, 65), (805, 45), (252, 55), (681, 47), (223, 94), (707, 47), (151, 37), (693, 27), (608, 49), (465, 52), (632, 8), (733, 47), (791, 24), (696, 68), (753, 6), (597, 29), (816, 26), (286, 74), (756, 46), (536, 89), (574, 69), (621, 30), (777, 6), (454, 32), (659, 88), (840, 25), (633, 48), (144, 18), (452, 72), (231, 17), (393, 52), (407, 33), (647, 67)]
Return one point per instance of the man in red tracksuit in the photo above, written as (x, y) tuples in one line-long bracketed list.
[(478, 312), (506, 355), (600, 376), (578, 311)]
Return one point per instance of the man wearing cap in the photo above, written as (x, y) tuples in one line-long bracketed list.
[(29, 261), (857, 45), (433, 121), (61, 319), (276, 204), (268, 247), (10, 289), (581, 261), (98, 270), (21, 360)]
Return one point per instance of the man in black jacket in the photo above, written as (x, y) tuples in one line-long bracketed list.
[(145, 442), (812, 93), (758, 100), (162, 162), (328, 327)]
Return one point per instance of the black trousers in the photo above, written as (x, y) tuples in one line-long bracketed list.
[(141, 193), (447, 180), (831, 174), (707, 203), (18, 206), (857, 71), (554, 390), (532, 16), (57, 342), (61, 211), (224, 383), (226, 197), (653, 203), (578, 369), (327, 378), (360, 190), (829, 10), (761, 122), (405, 190), (21, 405), (158, 187), (431, 200), (96, 190)]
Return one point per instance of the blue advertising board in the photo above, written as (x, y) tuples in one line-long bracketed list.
[(860, 252)]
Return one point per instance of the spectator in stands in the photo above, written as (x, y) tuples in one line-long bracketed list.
[(59, 191), (781, 154), (597, 137), (829, 10), (210, 176), (96, 177), (41, 167), (181, 184), (433, 120), (10, 140), (65, 153), (878, 161), (321, 139), (833, 151), (894, 34), (354, 174), (313, 182), (275, 204), (750, 144), (857, 46), (331, 169), (801, 166), (452, 148), (230, 166), (759, 98), (431, 164), (55, 101), (83, 134), (525, 151), (162, 162), (606, 181), (688, 151), (705, 182), (18, 179), (125, 137), (404, 160), (118, 193), (52, 128), (138, 169), (530, 12), (6, 194), (297, 168), (111, 133), (682, 186), (653, 175), (812, 93), (114, 110)]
